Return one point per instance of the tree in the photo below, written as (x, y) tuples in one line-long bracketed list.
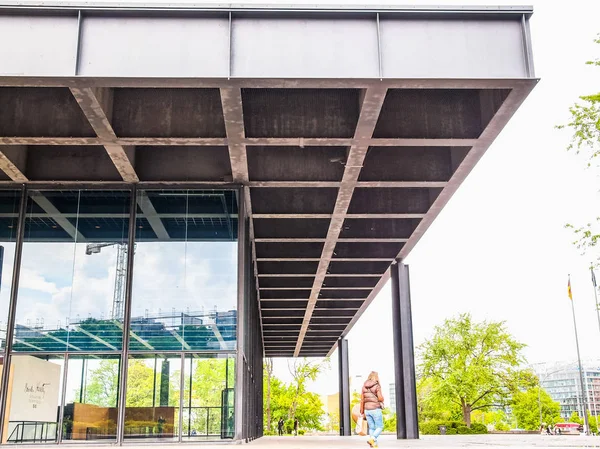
[(526, 408), (585, 125), (472, 365), (303, 370), (309, 408), (434, 407), (102, 386), (268, 372)]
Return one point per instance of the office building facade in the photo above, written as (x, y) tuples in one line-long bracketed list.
[(563, 384)]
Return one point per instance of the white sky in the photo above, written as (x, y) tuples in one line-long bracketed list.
[(499, 249)]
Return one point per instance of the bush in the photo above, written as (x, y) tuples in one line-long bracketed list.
[(452, 428), (301, 431), (478, 428), (429, 428)]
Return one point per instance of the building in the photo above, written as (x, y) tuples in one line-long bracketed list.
[(562, 382), (356, 383), (331, 410), (391, 403), (185, 190)]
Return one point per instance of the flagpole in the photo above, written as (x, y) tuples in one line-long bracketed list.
[(585, 415)]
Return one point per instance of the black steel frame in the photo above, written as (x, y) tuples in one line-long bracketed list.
[(124, 352), (407, 422)]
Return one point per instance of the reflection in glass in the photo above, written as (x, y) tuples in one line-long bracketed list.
[(73, 271), (91, 411), (185, 272), (9, 217), (152, 401), (208, 397), (33, 399)]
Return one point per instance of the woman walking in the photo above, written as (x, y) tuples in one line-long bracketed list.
[(371, 403)]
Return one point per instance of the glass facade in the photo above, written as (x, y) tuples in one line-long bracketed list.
[(134, 288)]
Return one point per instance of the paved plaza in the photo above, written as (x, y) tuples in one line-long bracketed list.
[(428, 441)]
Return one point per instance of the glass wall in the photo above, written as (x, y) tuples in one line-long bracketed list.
[(185, 276), (208, 397), (69, 325), (73, 272), (9, 218), (91, 407), (153, 397)]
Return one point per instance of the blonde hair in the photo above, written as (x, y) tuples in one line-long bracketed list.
[(373, 376)]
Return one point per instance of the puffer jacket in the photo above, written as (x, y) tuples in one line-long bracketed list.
[(371, 395)]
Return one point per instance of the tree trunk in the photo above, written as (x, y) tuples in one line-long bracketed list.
[(466, 408), (269, 369), (292, 413)]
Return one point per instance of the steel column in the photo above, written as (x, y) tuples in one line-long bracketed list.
[(127, 317), (407, 426), (12, 309), (344, 382), (240, 362)]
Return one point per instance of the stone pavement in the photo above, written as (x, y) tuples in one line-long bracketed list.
[(428, 442)]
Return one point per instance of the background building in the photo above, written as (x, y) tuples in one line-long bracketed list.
[(561, 381), (391, 402)]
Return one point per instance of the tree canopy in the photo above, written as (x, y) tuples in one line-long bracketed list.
[(526, 406), (584, 123), (290, 401), (471, 366)]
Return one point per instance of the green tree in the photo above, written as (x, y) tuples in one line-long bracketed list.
[(472, 365), (584, 123), (526, 408), (308, 407), (389, 420), (592, 421), (303, 370), (268, 369), (102, 384), (435, 407), (140, 381), (496, 418)]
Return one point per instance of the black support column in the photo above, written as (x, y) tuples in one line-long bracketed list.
[(407, 426), (344, 372)]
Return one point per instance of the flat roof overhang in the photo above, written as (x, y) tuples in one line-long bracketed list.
[(351, 127)]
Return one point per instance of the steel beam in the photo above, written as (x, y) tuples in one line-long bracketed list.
[(96, 104), (10, 168), (152, 216), (407, 426), (57, 216), (372, 101)]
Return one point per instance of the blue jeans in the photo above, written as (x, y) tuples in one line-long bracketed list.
[(375, 422)]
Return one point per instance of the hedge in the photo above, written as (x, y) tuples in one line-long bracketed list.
[(452, 428)]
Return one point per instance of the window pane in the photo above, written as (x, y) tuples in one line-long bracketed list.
[(73, 271), (208, 397), (185, 271), (91, 398), (9, 208), (152, 402), (33, 402)]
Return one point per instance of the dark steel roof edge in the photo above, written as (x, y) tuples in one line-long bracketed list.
[(174, 7)]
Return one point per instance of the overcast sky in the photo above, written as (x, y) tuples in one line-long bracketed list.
[(499, 249)]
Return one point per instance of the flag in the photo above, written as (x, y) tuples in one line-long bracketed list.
[(569, 289), (593, 278)]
